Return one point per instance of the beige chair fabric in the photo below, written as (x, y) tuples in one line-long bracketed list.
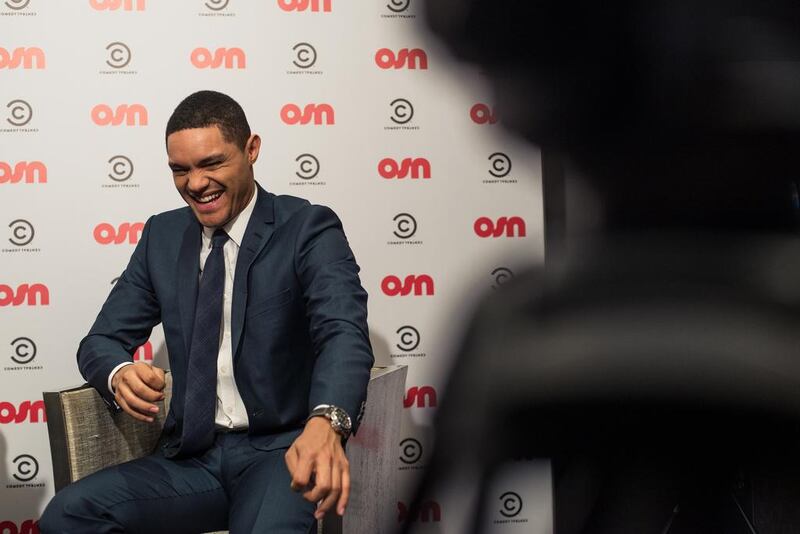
[(86, 437)]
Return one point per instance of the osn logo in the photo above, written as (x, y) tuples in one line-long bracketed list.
[(231, 58), (306, 5), (421, 397), (426, 512), (28, 412), (131, 115), (115, 5), (415, 167), (25, 294), (482, 114), (27, 58), (26, 467), (505, 226), (29, 526), (410, 451), (106, 234), (403, 58), (416, 284), (23, 171), (291, 114), (24, 351), (20, 113), (144, 353), (22, 232)]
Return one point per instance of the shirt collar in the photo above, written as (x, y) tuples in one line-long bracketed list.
[(235, 227)]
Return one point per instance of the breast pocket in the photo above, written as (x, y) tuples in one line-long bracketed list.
[(269, 303)]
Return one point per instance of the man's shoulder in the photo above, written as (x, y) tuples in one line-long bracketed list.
[(175, 220), (290, 207)]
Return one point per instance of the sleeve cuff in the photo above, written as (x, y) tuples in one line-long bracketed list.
[(113, 372)]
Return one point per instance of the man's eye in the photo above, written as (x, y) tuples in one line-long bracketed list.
[(178, 172)]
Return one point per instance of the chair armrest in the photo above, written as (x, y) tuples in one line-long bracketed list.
[(86, 437)]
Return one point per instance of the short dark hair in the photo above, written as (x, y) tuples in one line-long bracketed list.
[(210, 108)]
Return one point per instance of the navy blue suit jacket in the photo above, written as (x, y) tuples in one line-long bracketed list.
[(298, 318)]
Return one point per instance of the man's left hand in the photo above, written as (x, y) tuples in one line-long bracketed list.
[(319, 467)]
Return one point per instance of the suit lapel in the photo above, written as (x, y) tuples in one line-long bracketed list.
[(258, 233), (188, 273)]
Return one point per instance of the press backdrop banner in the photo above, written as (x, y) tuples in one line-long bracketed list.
[(358, 109)]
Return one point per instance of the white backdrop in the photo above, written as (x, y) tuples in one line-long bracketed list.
[(358, 109)]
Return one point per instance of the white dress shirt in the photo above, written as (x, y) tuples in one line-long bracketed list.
[(230, 411)]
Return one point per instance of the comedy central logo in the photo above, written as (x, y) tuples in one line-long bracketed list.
[(22, 232), (24, 472), (404, 228), (23, 352), (500, 276), (304, 57), (398, 9), (216, 8), (19, 114), (307, 169), (510, 508), (118, 56), (407, 342), (410, 454), (401, 113), (20, 235), (119, 171), (17, 8), (499, 169)]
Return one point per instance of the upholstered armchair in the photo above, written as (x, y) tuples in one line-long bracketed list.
[(85, 437)]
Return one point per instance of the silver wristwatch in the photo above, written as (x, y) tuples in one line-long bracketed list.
[(339, 419)]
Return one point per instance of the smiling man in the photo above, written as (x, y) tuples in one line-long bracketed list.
[(264, 318)]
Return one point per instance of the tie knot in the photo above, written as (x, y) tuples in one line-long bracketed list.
[(219, 238)]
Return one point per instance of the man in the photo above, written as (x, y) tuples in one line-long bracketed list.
[(265, 325)]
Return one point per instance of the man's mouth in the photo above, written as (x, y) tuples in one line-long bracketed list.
[(205, 199)]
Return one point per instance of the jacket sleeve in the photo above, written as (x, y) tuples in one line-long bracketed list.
[(336, 307), (124, 323)]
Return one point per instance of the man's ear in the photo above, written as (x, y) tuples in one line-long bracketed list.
[(252, 148)]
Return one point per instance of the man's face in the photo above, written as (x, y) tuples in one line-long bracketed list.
[(214, 176)]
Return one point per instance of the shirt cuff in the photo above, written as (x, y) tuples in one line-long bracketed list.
[(113, 372)]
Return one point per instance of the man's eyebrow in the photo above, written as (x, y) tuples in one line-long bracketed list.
[(174, 166), (210, 160)]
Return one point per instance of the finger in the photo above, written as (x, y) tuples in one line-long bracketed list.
[(155, 378), (134, 402), (345, 495), (302, 473), (322, 480), (291, 461), (140, 388), (130, 411), (330, 500)]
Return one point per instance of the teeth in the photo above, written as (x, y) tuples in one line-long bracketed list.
[(208, 198)]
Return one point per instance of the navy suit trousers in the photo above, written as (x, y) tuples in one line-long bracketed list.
[(231, 486)]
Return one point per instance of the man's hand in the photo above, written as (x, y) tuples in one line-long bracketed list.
[(319, 467), (137, 387)]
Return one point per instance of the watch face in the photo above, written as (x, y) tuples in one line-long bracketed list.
[(340, 419)]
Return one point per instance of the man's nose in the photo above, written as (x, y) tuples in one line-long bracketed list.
[(198, 182)]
